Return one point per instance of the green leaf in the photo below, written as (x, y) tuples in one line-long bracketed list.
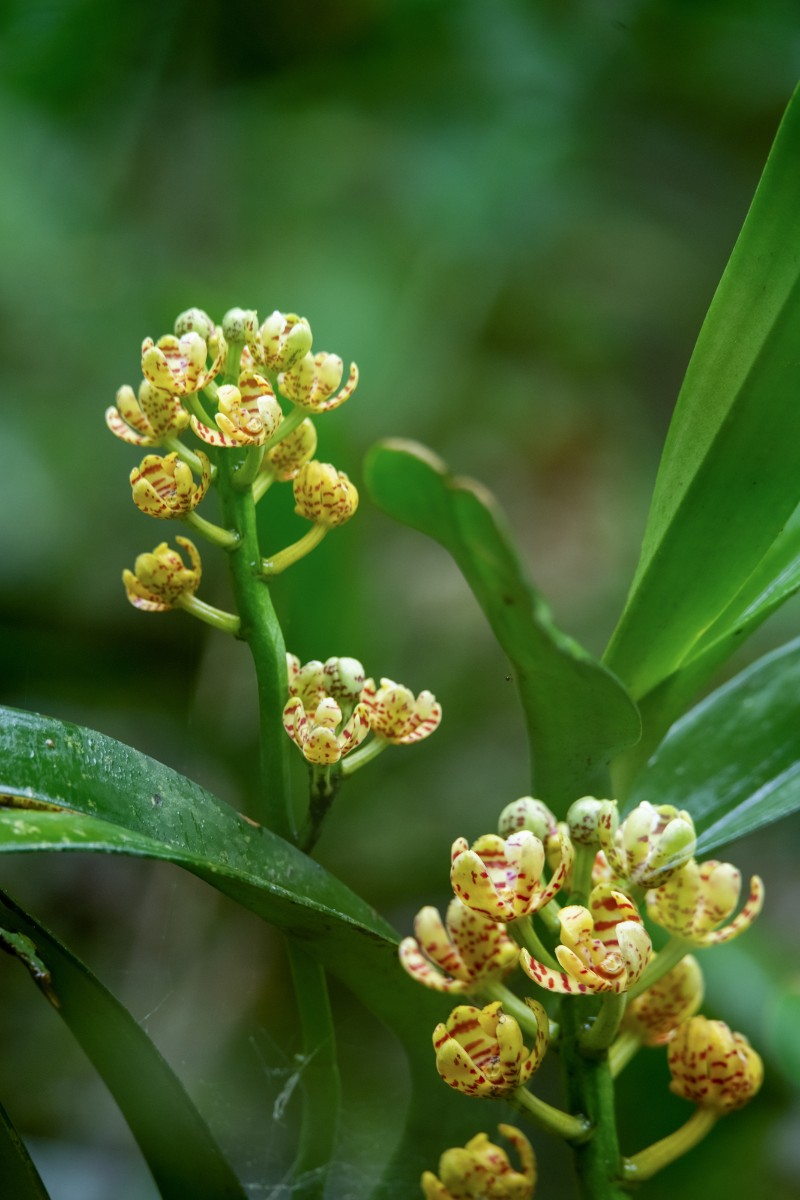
[(176, 1143), (734, 761), (775, 580), (69, 789), (730, 474), (19, 1176), (578, 715)]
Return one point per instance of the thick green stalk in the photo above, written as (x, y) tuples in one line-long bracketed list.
[(261, 631), (590, 1091), (319, 1079)]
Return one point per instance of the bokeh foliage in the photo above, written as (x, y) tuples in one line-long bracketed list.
[(514, 221)]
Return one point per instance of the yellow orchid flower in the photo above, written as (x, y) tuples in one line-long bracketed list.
[(248, 414), (164, 487), (148, 420), (674, 998), (318, 735), (178, 364), (312, 382), (694, 903), (650, 846), (461, 954), (397, 716), (161, 578), (712, 1066), (479, 1051), (482, 1170), (604, 948), (503, 877)]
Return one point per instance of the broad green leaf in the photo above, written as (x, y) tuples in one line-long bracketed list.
[(18, 1175), (71, 789), (578, 715), (730, 474), (176, 1143), (734, 761), (775, 580)]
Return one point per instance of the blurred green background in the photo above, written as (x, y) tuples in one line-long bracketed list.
[(513, 216)]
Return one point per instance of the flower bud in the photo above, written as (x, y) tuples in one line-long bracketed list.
[(240, 325), (668, 1003), (194, 320), (712, 1066), (324, 495), (292, 452), (344, 679), (583, 819), (530, 814)]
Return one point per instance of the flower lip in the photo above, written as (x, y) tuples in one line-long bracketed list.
[(604, 948)]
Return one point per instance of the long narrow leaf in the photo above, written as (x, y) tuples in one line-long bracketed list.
[(730, 474), (775, 580), (176, 1143), (18, 1175), (734, 760), (578, 715)]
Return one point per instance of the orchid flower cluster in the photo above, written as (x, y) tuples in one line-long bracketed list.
[(246, 393), (566, 902), (260, 415)]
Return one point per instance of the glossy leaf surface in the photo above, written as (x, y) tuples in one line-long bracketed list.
[(176, 1143), (87, 792), (775, 580), (734, 760), (729, 478), (577, 714)]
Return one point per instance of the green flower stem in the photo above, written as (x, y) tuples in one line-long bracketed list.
[(603, 1029), (365, 753), (195, 405), (224, 538), (572, 1128), (590, 1090), (224, 621), (622, 1051), (262, 484), (261, 631), (324, 784), (295, 417), (582, 874), (667, 958), (232, 361), (551, 918), (292, 554), (648, 1162), (319, 1076), (512, 1005), (244, 476), (527, 936), (176, 446)]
